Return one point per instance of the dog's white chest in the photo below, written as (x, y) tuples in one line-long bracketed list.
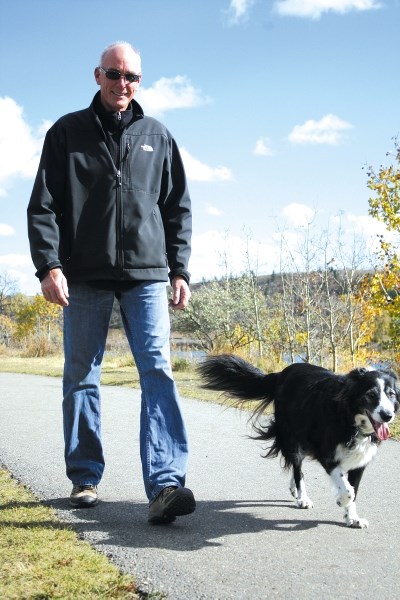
[(356, 456)]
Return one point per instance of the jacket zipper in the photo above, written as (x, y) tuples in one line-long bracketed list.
[(123, 155), (118, 200), (118, 176)]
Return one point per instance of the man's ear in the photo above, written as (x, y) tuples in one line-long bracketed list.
[(97, 75)]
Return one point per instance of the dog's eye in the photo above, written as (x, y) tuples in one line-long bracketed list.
[(391, 394), (372, 394)]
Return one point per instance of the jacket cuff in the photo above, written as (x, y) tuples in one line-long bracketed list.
[(41, 273), (178, 273)]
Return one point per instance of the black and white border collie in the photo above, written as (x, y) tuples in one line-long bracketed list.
[(338, 420)]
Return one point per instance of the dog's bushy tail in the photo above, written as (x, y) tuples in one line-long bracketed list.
[(237, 378), (243, 382)]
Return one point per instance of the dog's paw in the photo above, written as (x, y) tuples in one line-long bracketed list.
[(356, 523), (304, 503), (345, 499), (352, 519)]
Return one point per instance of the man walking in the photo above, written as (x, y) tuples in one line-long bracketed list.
[(110, 217)]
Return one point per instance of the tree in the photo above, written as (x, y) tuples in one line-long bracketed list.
[(228, 313), (348, 329), (322, 318), (7, 329), (222, 315), (384, 285), (256, 298), (8, 288), (38, 322), (301, 290), (385, 183)]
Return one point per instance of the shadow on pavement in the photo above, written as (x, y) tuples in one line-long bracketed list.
[(125, 523)]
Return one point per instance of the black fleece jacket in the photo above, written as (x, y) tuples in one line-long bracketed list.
[(100, 219)]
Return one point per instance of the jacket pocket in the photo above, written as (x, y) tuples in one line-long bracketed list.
[(142, 167), (143, 241)]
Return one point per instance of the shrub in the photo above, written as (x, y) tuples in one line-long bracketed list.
[(181, 364), (39, 345)]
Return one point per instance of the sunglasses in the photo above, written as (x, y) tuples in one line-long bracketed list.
[(115, 75)]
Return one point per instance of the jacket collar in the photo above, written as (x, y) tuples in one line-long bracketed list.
[(133, 112)]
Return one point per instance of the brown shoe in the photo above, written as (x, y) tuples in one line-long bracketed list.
[(170, 503), (83, 496)]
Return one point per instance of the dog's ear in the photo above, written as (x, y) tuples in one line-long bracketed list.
[(358, 373), (390, 373)]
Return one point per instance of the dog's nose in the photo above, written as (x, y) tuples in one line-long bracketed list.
[(385, 415)]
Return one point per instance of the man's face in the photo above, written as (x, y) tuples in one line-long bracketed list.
[(116, 95)]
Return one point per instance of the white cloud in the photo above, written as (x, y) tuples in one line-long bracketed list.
[(329, 130), (238, 10), (298, 215), (27, 282), (6, 230), (215, 251), (15, 260), (262, 147), (168, 94), (44, 127), (370, 229), (20, 147), (212, 249), (213, 211), (20, 268), (198, 171), (315, 8)]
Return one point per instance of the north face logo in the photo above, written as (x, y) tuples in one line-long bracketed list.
[(147, 148)]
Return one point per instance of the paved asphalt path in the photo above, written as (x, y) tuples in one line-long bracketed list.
[(246, 540)]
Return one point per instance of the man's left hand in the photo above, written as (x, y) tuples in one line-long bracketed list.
[(180, 294)]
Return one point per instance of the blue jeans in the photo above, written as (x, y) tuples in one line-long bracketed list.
[(163, 439)]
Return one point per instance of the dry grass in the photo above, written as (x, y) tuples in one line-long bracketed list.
[(116, 370), (43, 558), (119, 370)]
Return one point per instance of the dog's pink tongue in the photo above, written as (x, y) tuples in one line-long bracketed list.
[(382, 431)]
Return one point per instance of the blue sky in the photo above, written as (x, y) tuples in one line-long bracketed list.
[(276, 106)]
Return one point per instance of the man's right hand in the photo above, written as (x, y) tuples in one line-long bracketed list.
[(55, 287)]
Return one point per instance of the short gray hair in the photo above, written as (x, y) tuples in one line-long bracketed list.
[(114, 45)]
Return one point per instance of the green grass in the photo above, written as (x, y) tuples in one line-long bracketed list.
[(42, 558)]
